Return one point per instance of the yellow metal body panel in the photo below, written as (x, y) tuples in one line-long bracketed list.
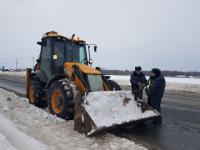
[(84, 68), (79, 84), (55, 34)]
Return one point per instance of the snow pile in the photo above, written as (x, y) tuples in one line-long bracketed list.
[(18, 139), (114, 107), (51, 130), (5, 144), (173, 83)]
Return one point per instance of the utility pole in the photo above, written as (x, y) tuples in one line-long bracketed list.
[(33, 61), (16, 65)]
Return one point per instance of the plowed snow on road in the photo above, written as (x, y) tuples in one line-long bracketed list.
[(48, 130)]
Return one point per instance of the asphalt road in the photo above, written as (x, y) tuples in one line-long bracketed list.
[(181, 121)]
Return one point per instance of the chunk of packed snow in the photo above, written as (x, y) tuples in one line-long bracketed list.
[(109, 108), (53, 131)]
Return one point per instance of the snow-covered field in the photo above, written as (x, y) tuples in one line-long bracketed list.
[(25, 127), (13, 73), (174, 84)]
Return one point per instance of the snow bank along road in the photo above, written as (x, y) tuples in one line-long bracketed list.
[(28, 128), (180, 129)]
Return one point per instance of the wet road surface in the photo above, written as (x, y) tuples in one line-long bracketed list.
[(180, 128)]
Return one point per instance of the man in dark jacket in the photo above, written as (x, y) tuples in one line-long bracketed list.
[(155, 90), (138, 82)]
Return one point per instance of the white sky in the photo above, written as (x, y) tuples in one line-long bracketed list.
[(150, 33)]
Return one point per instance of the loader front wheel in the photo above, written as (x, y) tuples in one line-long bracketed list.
[(114, 85), (57, 101), (60, 100)]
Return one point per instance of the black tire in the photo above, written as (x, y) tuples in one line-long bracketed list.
[(114, 85), (36, 93), (60, 100)]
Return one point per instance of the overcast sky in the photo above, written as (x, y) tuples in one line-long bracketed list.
[(150, 33)]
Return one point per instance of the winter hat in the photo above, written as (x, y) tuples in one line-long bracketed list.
[(138, 68), (156, 71)]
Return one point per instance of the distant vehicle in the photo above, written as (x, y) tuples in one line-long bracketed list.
[(4, 68)]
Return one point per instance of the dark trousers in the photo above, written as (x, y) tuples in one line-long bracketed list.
[(154, 103), (137, 93)]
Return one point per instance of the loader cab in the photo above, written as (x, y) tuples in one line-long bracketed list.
[(55, 51)]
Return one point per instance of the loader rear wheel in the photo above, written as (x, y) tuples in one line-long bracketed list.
[(60, 100), (114, 85), (35, 93), (32, 97)]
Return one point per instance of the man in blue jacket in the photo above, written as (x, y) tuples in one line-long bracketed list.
[(155, 90), (138, 82)]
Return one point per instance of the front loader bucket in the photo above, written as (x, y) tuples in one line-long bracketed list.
[(104, 110)]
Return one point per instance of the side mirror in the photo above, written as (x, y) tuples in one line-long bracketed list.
[(39, 43), (90, 61), (43, 43), (38, 60), (95, 48), (98, 68)]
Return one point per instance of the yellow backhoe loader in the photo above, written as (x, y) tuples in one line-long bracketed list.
[(64, 81)]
